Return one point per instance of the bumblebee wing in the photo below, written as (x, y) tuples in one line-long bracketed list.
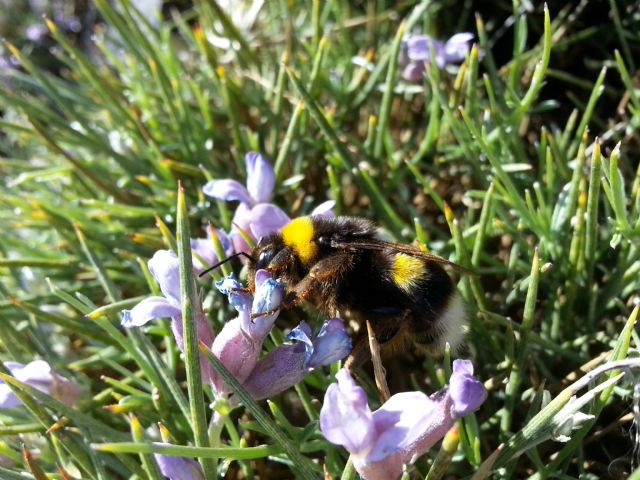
[(375, 244)]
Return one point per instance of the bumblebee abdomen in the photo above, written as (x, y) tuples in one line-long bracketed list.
[(407, 272), (384, 284), (430, 290)]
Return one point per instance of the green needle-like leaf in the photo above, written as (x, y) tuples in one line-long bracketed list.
[(190, 306)]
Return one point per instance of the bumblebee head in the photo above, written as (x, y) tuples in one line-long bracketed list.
[(284, 253), (296, 239), (266, 250), (271, 254)]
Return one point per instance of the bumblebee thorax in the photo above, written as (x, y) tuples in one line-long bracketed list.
[(298, 235)]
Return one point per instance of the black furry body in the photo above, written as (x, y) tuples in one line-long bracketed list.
[(349, 270)]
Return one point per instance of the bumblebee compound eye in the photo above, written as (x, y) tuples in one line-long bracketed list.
[(265, 257), (323, 240)]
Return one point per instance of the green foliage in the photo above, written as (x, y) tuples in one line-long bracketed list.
[(487, 164)]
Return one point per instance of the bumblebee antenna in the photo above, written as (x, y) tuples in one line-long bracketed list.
[(231, 257)]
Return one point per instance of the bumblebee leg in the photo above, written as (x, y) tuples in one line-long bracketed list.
[(300, 292), (391, 334), (263, 314), (359, 353), (323, 271)]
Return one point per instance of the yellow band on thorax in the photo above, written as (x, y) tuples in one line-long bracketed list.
[(298, 235)]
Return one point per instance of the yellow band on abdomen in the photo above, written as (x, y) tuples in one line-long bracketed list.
[(407, 271)]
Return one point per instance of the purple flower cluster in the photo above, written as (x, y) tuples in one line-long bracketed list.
[(239, 344), (255, 215), (416, 51), (287, 364), (405, 427), (164, 267)]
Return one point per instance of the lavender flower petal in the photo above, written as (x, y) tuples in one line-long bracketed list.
[(403, 55), (277, 371), (39, 375), (266, 219), (345, 417), (179, 468), (7, 397), (229, 191), (239, 343), (405, 419), (462, 367), (466, 392), (149, 309), (457, 47), (413, 72), (331, 344), (325, 209), (237, 351), (260, 277), (205, 252), (230, 286), (205, 334), (241, 220), (302, 334), (260, 177), (287, 365), (36, 33), (404, 428), (165, 269), (417, 52), (267, 298), (419, 48)]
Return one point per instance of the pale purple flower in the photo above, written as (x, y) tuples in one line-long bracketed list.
[(239, 343), (325, 209), (165, 268), (36, 32), (178, 468), (258, 192), (204, 252), (39, 375), (267, 218), (416, 51), (287, 365), (255, 215), (8, 65), (405, 427)]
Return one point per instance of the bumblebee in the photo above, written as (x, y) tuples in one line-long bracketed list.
[(342, 267)]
